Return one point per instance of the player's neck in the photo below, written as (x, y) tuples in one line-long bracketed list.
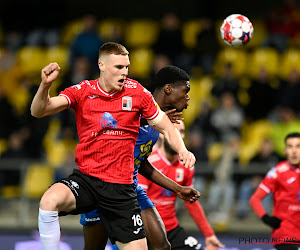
[(160, 100), (105, 86), (167, 155)]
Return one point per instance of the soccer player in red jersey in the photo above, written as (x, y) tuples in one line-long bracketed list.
[(166, 160), (107, 112), (284, 182)]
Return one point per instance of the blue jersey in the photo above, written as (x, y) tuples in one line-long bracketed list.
[(147, 137)]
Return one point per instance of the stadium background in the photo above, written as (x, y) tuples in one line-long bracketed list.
[(34, 152)]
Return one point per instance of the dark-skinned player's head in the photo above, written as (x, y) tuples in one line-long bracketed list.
[(173, 84)]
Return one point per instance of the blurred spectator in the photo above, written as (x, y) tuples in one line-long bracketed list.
[(202, 125), (16, 150), (226, 83), (227, 118), (222, 189), (261, 97), (283, 24), (87, 43), (197, 145), (286, 124), (289, 92), (159, 62), (169, 41), (9, 116), (207, 46), (266, 156)]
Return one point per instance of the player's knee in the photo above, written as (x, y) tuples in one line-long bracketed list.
[(49, 201), (58, 198)]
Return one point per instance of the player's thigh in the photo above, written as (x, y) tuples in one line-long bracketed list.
[(95, 236), (58, 198), (140, 244), (155, 229)]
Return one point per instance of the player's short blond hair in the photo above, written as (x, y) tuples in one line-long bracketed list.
[(112, 48)]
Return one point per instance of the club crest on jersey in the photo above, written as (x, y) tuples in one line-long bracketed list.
[(179, 174), (126, 103), (107, 121)]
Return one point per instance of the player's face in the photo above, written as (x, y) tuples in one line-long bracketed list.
[(114, 70), (292, 151), (179, 98)]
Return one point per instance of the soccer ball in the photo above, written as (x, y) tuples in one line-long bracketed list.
[(236, 30)]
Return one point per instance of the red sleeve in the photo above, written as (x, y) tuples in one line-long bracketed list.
[(196, 211), (149, 108), (73, 94), (256, 201), (188, 180)]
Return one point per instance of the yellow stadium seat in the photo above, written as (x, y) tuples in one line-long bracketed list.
[(37, 180), (190, 30), (111, 29), (252, 137), (290, 60), (267, 58), (141, 60), (215, 152), (3, 145), (141, 32), (235, 56), (200, 92), (59, 54), (31, 60), (70, 30)]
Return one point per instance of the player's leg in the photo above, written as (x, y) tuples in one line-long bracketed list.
[(58, 197), (95, 236), (67, 196), (154, 226), (155, 229), (180, 240), (140, 244), (121, 215)]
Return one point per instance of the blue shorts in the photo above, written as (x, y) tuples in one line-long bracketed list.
[(143, 200)]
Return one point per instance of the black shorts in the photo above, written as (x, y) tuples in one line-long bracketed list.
[(116, 203), (180, 240)]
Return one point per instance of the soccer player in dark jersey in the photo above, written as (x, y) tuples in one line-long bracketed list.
[(166, 160), (107, 112), (171, 91), (284, 182)]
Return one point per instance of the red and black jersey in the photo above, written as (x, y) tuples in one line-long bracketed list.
[(107, 127), (284, 182)]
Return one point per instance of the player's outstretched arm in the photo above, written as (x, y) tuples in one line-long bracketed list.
[(42, 105), (256, 204), (172, 135), (152, 174), (197, 212)]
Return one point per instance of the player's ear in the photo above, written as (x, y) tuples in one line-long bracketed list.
[(168, 89), (101, 65)]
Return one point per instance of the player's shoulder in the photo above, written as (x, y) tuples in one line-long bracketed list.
[(130, 84), (85, 84), (281, 167)]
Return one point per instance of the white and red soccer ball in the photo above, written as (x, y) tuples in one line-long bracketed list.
[(236, 30)]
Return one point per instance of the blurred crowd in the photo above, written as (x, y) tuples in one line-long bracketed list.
[(243, 100)]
